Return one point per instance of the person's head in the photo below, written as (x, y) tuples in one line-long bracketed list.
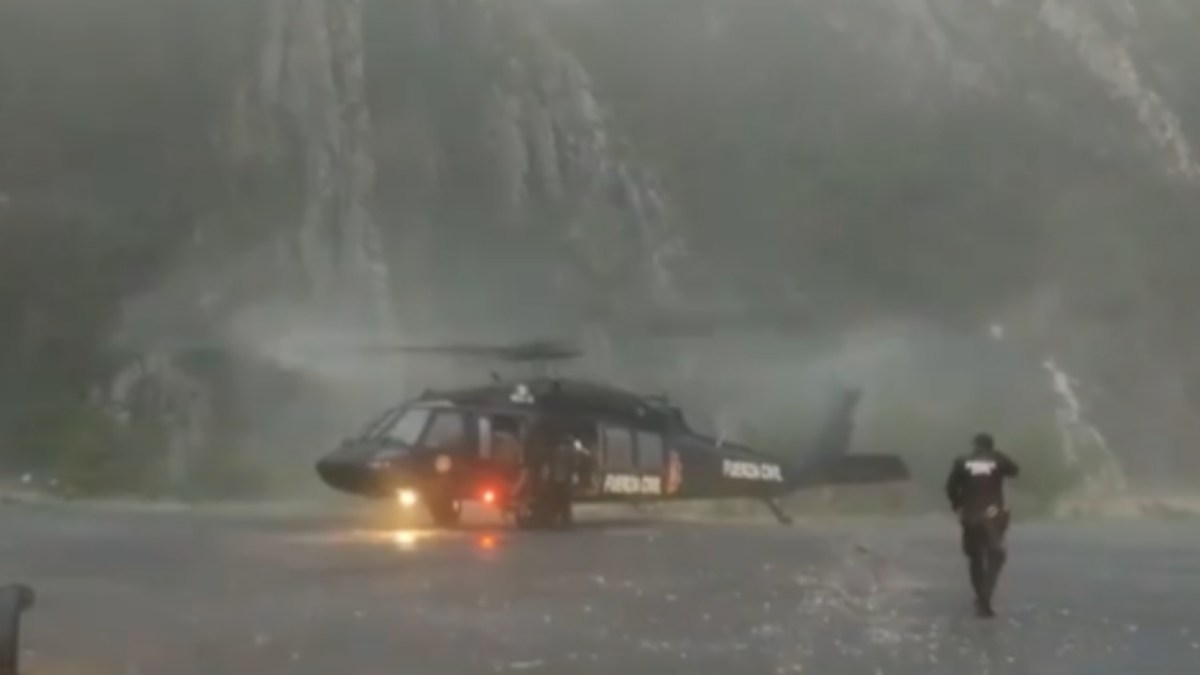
[(983, 443)]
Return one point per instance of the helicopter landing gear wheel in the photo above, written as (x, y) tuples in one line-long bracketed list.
[(530, 516), (445, 512), (542, 512)]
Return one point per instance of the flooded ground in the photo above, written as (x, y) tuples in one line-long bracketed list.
[(167, 593)]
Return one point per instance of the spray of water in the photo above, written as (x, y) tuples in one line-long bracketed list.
[(1084, 447), (1104, 489)]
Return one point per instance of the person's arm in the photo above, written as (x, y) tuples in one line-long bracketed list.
[(954, 486), (1008, 467)]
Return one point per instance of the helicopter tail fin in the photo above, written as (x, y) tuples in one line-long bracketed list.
[(831, 464), (834, 440)]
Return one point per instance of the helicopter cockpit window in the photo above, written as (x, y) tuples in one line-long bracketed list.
[(380, 423), (650, 451), (618, 449), (408, 428)]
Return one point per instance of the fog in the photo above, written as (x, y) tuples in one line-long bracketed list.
[(931, 201)]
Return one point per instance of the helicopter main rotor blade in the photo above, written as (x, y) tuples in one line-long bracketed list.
[(531, 351), (680, 323), (686, 323)]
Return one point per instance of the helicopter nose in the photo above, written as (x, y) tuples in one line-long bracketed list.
[(345, 476), (330, 471)]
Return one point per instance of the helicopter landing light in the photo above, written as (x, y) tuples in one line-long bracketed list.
[(406, 498)]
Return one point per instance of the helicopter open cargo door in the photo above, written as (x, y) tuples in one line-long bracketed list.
[(500, 437)]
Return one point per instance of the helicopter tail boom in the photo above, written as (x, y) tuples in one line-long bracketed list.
[(832, 464), (850, 470)]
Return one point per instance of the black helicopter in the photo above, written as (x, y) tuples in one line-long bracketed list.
[(444, 448)]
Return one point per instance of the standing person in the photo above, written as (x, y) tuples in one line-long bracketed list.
[(545, 483), (975, 488), (564, 467)]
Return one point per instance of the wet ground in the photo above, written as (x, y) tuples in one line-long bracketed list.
[(171, 593)]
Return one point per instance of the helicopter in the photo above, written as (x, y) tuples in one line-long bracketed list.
[(445, 448)]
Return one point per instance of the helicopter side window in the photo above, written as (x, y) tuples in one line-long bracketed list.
[(618, 449), (650, 451), (447, 433)]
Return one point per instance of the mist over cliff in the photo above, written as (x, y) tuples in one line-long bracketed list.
[(207, 209)]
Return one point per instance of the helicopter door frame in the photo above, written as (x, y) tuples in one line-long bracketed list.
[(659, 466), (484, 431)]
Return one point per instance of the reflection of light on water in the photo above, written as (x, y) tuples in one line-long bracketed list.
[(409, 539), (404, 539)]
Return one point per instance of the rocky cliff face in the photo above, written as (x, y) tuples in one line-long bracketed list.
[(194, 196)]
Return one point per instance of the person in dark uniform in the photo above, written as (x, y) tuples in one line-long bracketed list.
[(563, 466), (975, 488), (532, 462), (545, 482)]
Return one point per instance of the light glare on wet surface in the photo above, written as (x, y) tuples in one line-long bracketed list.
[(174, 594)]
